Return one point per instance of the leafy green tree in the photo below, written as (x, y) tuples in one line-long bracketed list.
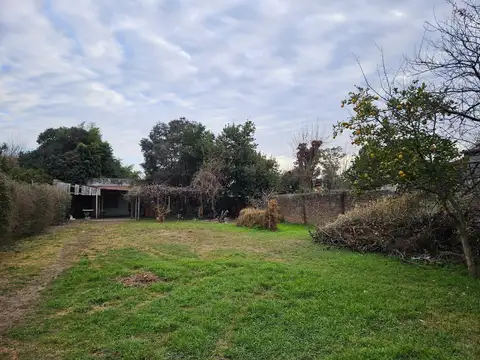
[(9, 165), (402, 146), (289, 182), (72, 154), (175, 151), (330, 165), (247, 172), (126, 171)]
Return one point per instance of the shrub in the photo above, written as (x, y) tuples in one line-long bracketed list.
[(251, 218), (30, 208), (258, 218), (407, 225), (272, 215), (5, 205)]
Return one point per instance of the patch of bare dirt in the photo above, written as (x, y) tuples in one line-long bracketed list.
[(15, 305), (12, 353), (141, 279)]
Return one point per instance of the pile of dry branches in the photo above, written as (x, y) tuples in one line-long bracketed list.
[(408, 226)]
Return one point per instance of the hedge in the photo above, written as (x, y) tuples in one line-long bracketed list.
[(28, 209)]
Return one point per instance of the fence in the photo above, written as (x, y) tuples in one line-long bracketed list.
[(321, 208)]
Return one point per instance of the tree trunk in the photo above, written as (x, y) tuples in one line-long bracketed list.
[(467, 249), (461, 225), (213, 208), (200, 209)]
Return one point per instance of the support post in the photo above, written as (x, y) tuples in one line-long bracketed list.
[(96, 206), (134, 208), (138, 207)]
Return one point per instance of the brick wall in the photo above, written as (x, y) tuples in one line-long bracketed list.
[(321, 208)]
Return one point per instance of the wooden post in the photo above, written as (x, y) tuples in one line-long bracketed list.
[(102, 206), (135, 208), (168, 203), (96, 206), (138, 206)]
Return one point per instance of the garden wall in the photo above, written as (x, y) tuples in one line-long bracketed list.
[(28, 209), (322, 208)]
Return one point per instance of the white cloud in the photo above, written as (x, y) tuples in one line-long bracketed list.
[(126, 64)]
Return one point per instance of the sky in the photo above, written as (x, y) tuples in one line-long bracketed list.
[(127, 64)]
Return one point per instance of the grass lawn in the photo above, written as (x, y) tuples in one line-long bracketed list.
[(224, 292)]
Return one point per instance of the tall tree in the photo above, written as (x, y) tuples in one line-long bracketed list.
[(10, 166), (330, 165), (72, 154), (289, 182), (450, 52), (403, 146), (308, 161), (175, 151), (247, 172)]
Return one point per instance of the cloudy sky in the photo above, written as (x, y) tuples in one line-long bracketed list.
[(126, 64)]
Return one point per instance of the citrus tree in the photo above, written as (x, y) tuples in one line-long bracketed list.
[(404, 144)]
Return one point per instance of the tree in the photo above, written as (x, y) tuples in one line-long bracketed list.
[(73, 154), (209, 180), (247, 171), (9, 165), (306, 145), (126, 171), (330, 165), (402, 146), (289, 182), (308, 161), (174, 152), (452, 56)]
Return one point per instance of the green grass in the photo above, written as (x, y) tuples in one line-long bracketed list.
[(235, 293)]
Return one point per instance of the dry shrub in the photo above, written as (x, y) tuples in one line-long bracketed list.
[(407, 225), (251, 218), (31, 208), (272, 215), (258, 218), (5, 205)]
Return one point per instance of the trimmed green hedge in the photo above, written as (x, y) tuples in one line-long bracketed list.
[(28, 209)]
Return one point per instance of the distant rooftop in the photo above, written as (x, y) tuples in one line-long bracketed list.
[(110, 182)]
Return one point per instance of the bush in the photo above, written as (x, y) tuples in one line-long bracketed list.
[(258, 218), (406, 225), (272, 215), (251, 218), (5, 205), (29, 209)]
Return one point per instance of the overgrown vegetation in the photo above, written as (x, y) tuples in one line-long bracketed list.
[(184, 153), (28, 209), (409, 226), (74, 155)]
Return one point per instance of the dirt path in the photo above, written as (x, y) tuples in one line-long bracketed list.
[(15, 305)]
